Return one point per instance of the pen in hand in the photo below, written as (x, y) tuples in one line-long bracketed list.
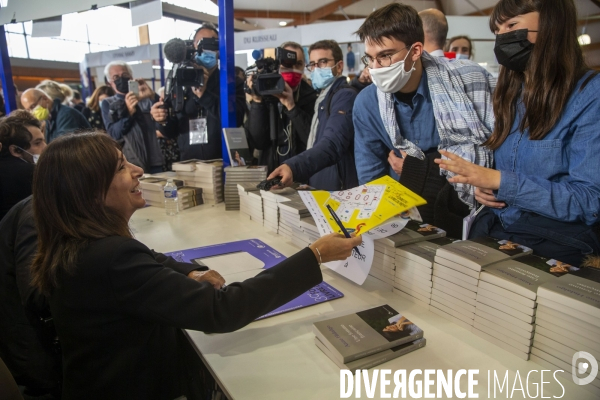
[(342, 228)]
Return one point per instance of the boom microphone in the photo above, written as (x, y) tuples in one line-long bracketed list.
[(175, 50)]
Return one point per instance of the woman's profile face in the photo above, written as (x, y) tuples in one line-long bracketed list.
[(529, 21), (124, 195)]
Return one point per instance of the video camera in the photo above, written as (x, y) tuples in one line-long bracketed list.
[(184, 74), (266, 79)]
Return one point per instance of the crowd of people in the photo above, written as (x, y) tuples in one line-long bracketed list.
[(523, 146)]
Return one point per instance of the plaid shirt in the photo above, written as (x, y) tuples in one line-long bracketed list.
[(461, 92)]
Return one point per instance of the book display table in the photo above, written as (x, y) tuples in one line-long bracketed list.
[(276, 358)]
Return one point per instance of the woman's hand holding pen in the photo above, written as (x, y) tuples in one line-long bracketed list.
[(334, 247)]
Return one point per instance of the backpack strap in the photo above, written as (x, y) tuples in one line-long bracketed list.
[(337, 89)]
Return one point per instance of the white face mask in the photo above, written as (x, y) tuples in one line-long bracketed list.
[(393, 78), (34, 157)]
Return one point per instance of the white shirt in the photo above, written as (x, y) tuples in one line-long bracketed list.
[(437, 53)]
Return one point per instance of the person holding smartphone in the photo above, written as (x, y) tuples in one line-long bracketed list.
[(127, 118)]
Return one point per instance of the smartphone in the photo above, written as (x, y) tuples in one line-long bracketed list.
[(134, 87)]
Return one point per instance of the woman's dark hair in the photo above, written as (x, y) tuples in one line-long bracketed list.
[(70, 184), (13, 130), (94, 103), (394, 21), (336, 51), (555, 66), (455, 38)]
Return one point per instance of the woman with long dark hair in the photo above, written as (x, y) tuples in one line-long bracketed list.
[(117, 306), (545, 190), (92, 112)]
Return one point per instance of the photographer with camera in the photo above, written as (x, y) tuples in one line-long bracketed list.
[(285, 135), (191, 111), (328, 162), (127, 118)]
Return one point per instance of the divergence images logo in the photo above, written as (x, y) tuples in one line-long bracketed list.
[(580, 367)]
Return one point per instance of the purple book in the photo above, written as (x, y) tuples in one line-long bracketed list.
[(270, 257)]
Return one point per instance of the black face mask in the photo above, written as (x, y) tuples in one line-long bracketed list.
[(513, 50), (122, 84)]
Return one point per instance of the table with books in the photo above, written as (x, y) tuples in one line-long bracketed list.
[(276, 358)]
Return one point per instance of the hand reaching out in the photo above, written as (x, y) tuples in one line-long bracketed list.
[(469, 173)]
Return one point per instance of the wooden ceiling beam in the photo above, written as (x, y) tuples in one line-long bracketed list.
[(324, 12), (590, 47), (486, 11), (279, 14), (439, 5)]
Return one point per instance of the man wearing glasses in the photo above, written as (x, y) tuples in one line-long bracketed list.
[(295, 110), (201, 105), (127, 119), (328, 162), (418, 105)]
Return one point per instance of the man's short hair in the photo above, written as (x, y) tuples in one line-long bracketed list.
[(435, 26), (332, 45), (13, 130), (394, 21), (116, 64), (209, 26)]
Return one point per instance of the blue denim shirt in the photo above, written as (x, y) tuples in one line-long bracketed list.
[(559, 176), (372, 144)]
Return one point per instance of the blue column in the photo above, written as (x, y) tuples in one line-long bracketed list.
[(227, 58), (10, 99)]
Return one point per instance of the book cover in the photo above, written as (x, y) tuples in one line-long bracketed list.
[(525, 274), (423, 252), (237, 146), (481, 252), (374, 359), (360, 334), (413, 232), (578, 289)]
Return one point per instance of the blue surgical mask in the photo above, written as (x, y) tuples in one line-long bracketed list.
[(461, 56), (208, 59), (321, 77)]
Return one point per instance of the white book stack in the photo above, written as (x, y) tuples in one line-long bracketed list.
[(290, 214), (568, 321), (414, 268), (235, 175), (250, 201), (153, 192), (270, 208), (384, 267), (308, 232), (456, 271), (506, 301), (385, 249), (207, 175)]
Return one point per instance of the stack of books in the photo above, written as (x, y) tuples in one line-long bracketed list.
[(250, 201), (290, 214), (235, 175), (153, 192), (568, 321), (307, 234), (367, 338), (207, 175), (414, 270), (456, 272), (385, 249), (506, 301), (270, 208)]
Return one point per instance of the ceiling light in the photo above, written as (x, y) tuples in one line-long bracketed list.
[(282, 23), (584, 39)]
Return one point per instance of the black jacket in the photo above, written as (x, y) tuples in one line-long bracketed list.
[(16, 178), (209, 106), (118, 315), (64, 119), (257, 126), (329, 164), (25, 341)]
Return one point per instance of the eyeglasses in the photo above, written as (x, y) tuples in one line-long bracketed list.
[(383, 61), (125, 75), (322, 63)]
